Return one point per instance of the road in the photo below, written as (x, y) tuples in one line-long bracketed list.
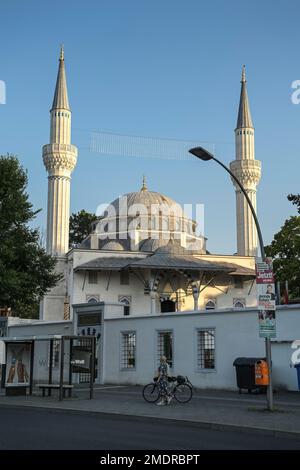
[(43, 429)]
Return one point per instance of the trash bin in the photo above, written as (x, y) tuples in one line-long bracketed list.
[(245, 373), (297, 366), (262, 373)]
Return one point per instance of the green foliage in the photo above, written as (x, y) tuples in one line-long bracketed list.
[(285, 251), (80, 226), (295, 199), (26, 270)]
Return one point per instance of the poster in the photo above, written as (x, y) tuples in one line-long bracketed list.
[(81, 359), (17, 364), (266, 299)]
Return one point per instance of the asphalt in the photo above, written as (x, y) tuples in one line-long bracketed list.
[(209, 409), (44, 429)]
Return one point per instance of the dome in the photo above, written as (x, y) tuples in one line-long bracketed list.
[(152, 244), (147, 199), (143, 221), (113, 245), (172, 248)]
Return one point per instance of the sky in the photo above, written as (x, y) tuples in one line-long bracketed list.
[(168, 69)]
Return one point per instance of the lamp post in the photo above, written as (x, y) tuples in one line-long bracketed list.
[(204, 155)]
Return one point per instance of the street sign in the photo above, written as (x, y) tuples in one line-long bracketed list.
[(266, 298)]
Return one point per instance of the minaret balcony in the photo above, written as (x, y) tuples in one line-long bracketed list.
[(248, 172), (67, 148), (239, 165), (59, 157)]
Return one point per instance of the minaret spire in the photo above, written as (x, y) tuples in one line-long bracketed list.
[(244, 115), (60, 100), (248, 171)]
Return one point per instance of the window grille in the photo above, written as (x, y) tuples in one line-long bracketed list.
[(206, 349), (55, 354), (165, 346), (128, 350)]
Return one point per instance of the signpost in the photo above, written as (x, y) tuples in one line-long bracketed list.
[(204, 155)]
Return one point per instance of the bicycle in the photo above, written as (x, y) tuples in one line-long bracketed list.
[(181, 389)]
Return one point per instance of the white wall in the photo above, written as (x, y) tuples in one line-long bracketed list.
[(236, 335)]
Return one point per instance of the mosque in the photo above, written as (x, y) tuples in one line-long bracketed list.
[(143, 281), (150, 260)]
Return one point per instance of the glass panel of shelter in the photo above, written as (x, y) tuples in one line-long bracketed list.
[(89, 325)]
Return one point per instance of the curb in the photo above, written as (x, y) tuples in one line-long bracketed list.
[(201, 424)]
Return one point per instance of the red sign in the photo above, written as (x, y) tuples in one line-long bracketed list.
[(264, 272)]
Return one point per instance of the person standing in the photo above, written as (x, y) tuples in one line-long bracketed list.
[(162, 382)]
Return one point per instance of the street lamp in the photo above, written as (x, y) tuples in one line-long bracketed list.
[(204, 155)]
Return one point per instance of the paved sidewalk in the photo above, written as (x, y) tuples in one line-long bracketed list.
[(208, 408)]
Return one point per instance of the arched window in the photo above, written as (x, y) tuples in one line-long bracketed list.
[(92, 298), (210, 305), (126, 301), (239, 303)]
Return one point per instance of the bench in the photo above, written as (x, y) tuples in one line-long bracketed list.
[(51, 387)]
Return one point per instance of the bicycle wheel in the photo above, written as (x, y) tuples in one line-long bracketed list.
[(183, 393), (151, 393)]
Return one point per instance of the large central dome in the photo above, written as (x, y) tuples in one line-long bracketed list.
[(144, 221), (147, 199)]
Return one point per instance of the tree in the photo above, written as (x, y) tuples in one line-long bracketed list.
[(27, 272), (80, 226), (295, 199), (285, 251)]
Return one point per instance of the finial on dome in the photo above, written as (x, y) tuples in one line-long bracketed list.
[(144, 187)]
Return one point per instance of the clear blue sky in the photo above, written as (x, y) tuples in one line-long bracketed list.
[(167, 69)]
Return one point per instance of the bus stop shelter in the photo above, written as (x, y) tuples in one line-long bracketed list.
[(21, 359)]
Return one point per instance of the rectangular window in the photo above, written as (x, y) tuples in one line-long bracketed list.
[(206, 349), (124, 278), (126, 310), (165, 346), (128, 350), (89, 319), (93, 278)]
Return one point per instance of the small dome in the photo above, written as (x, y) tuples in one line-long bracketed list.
[(113, 245), (152, 244), (172, 248)]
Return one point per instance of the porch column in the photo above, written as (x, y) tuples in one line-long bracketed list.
[(153, 302), (196, 297)]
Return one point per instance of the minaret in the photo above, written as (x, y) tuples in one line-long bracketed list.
[(248, 171), (59, 159)]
